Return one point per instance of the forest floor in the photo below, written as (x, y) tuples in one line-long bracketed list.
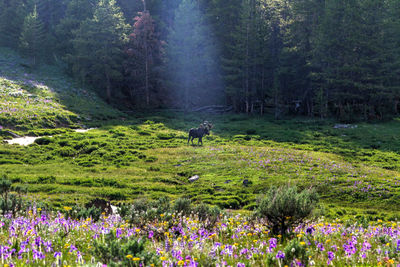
[(146, 155)]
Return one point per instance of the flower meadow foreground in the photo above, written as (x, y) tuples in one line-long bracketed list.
[(51, 239)]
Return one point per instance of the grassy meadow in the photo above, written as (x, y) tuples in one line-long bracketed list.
[(129, 156), (145, 155)]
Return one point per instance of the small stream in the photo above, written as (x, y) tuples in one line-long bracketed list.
[(28, 140)]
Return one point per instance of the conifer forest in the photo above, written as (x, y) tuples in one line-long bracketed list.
[(199, 133)]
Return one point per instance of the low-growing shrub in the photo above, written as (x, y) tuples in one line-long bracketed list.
[(117, 251), (183, 206), (208, 215), (10, 202), (43, 141), (284, 207), (165, 136)]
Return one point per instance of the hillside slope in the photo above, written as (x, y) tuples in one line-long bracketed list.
[(44, 97)]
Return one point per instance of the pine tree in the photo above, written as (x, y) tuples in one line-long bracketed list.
[(391, 65), (32, 37), (295, 71), (349, 59), (98, 47), (144, 51), (12, 15), (77, 11), (246, 65)]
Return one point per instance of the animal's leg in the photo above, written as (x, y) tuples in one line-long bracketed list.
[(188, 139), (200, 140), (192, 139)]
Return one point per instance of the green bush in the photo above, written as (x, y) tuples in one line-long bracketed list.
[(119, 251), (10, 202), (284, 207), (43, 141), (294, 251), (165, 136), (207, 214), (183, 206)]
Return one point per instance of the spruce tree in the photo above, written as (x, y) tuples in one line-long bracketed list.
[(144, 50), (77, 11), (32, 39), (98, 47), (12, 15)]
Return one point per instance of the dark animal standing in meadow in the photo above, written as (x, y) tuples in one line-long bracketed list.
[(204, 129)]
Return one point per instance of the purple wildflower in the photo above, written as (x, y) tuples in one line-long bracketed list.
[(280, 255), (151, 234)]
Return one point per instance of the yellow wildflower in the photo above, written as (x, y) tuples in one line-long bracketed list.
[(163, 258), (136, 259), (129, 256), (67, 208)]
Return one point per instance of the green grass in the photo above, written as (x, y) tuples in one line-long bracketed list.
[(45, 97), (137, 160), (145, 155)]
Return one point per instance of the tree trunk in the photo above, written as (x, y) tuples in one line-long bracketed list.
[(262, 108), (108, 88), (147, 77), (247, 69)]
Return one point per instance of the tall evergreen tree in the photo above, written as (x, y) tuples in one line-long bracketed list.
[(349, 56), (32, 37), (144, 50), (247, 63), (77, 11), (12, 15), (98, 47)]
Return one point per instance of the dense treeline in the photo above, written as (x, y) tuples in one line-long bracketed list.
[(308, 57)]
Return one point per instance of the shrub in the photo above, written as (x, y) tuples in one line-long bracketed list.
[(207, 214), (183, 206), (117, 251), (284, 207), (43, 141), (10, 202), (294, 250), (165, 136)]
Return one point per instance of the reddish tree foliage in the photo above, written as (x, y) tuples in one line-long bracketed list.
[(144, 50)]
